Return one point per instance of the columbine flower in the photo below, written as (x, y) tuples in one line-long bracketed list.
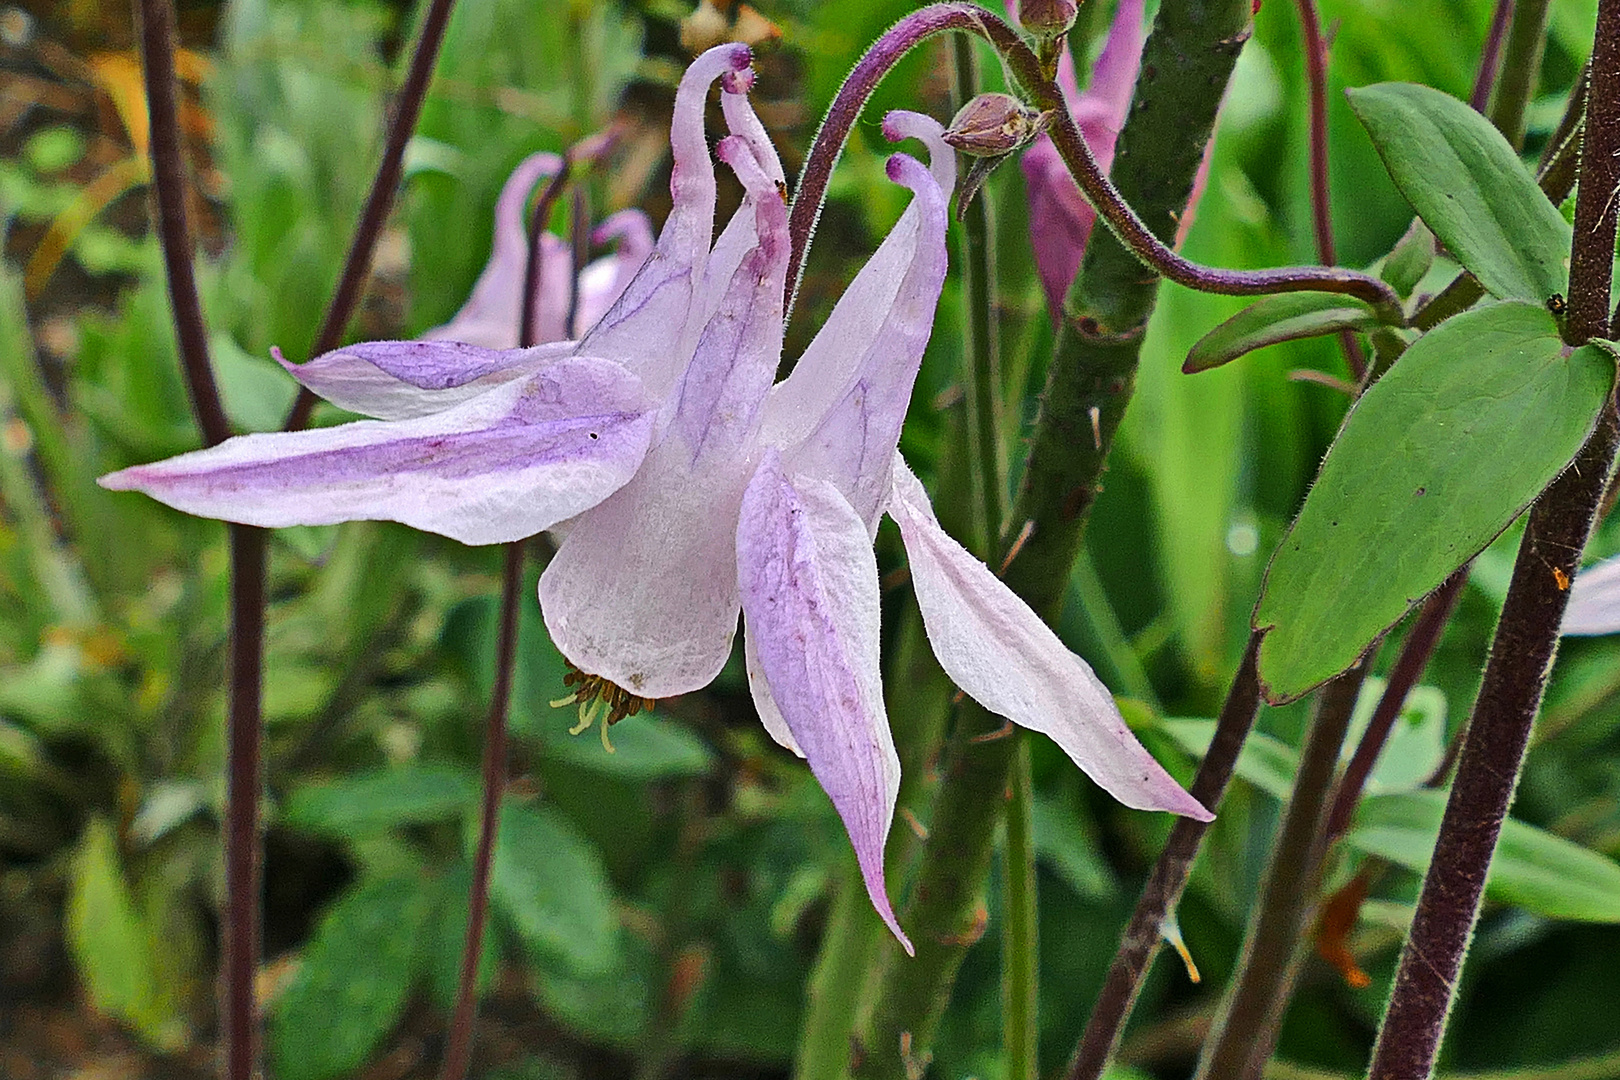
[(697, 490), (491, 314), (1594, 600)]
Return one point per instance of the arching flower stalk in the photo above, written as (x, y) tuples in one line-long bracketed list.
[(690, 489)]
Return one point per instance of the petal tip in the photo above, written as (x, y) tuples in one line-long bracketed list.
[(738, 81)]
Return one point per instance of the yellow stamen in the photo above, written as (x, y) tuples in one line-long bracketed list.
[(595, 695)]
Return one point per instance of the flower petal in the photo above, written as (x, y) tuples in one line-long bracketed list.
[(603, 281), (1594, 600), (399, 380), (838, 416), (642, 590), (648, 327), (994, 647), (810, 603), (769, 714), (735, 360), (490, 315), (505, 465)]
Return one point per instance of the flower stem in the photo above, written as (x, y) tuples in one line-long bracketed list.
[(1527, 634), (1414, 657), (1310, 24), (1521, 65), (239, 936), (380, 199), (1246, 1027), (1490, 59), (1020, 935), (459, 1052), (1113, 207), (1143, 936)]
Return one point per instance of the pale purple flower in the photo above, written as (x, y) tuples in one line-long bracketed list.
[(491, 314), (1594, 600), (695, 490)]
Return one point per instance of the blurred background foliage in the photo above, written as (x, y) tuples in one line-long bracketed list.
[(657, 910)]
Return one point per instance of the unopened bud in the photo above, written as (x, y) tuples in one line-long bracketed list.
[(993, 124), (1048, 18)]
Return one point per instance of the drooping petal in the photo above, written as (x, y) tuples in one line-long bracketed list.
[(400, 380), (490, 315), (838, 416), (810, 605), (1594, 600), (769, 715), (643, 590), (1000, 652), (604, 280), (1060, 218), (505, 465), (735, 360), (648, 327)]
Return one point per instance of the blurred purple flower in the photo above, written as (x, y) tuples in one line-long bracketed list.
[(1594, 600), (688, 488), (490, 316), (1060, 218)]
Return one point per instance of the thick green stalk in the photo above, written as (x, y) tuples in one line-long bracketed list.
[(1187, 62)]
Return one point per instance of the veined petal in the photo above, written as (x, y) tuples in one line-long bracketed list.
[(505, 465), (838, 416), (810, 604), (490, 315), (999, 651), (735, 361), (400, 380), (1594, 600), (647, 326), (603, 281), (769, 715), (643, 590)]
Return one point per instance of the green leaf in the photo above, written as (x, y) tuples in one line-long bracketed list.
[(1435, 460), (353, 984), (111, 944), (1468, 185), (1069, 846), (551, 884), (613, 1006), (1285, 317), (1533, 869), (1265, 762), (384, 799), (1411, 259), (1416, 743)]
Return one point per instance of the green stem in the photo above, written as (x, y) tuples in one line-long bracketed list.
[(1020, 936), (833, 994), (1246, 1027)]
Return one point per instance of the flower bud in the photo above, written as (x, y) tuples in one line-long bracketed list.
[(1048, 18), (993, 124)]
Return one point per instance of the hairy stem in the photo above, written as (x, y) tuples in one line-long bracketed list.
[(1143, 935), (1490, 59), (1246, 1027), (459, 1052), (380, 199), (1526, 638), (1114, 208)]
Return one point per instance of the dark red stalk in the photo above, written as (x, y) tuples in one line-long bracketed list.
[(1527, 634), (459, 1053), (1414, 657), (1491, 57), (380, 199), (1144, 934), (1310, 25), (239, 937)]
